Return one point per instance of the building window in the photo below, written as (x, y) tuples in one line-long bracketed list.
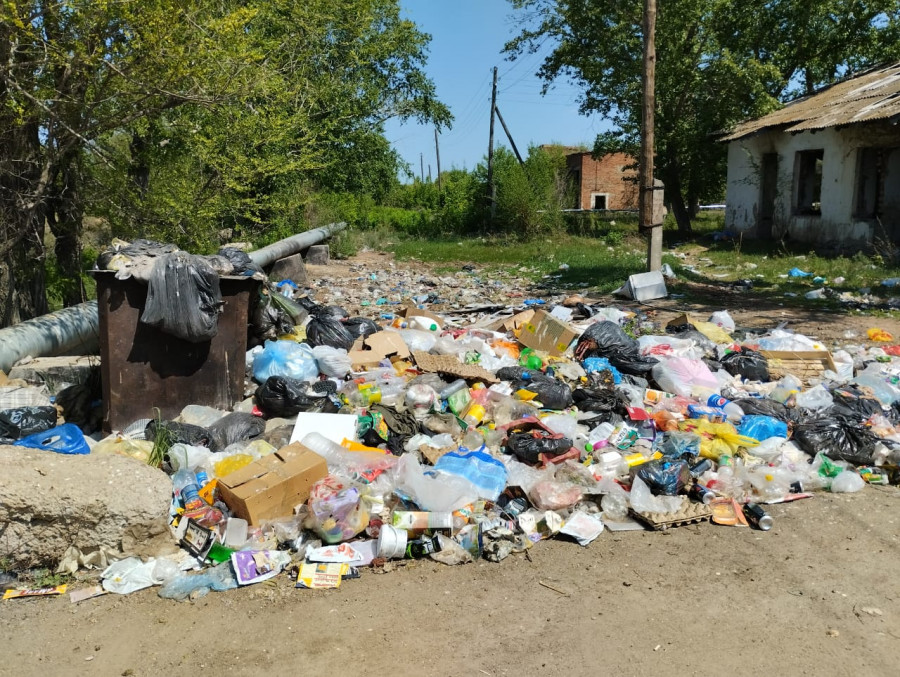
[(598, 200), (808, 182)]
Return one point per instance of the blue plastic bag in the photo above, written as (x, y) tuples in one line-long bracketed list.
[(595, 364), (796, 272), (481, 469), (285, 358), (63, 439), (762, 427)]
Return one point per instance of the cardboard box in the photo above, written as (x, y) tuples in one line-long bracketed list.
[(804, 364), (379, 346), (547, 334), (272, 486), (511, 323)]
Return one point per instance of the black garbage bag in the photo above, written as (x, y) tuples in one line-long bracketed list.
[(839, 438), (604, 400), (607, 339), (528, 446), (183, 298), (360, 327), (268, 320), (181, 433), (852, 402), (236, 427), (664, 476), (552, 394), (518, 373), (284, 396), (21, 421), (686, 331), (324, 330), (748, 364), (765, 407), (241, 262)]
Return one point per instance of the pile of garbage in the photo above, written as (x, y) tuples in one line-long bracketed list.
[(365, 442)]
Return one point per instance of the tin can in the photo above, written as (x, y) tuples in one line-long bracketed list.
[(701, 494), (701, 467), (757, 516)]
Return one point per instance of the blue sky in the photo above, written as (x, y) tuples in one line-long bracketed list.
[(467, 39)]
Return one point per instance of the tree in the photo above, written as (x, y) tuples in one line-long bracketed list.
[(72, 71), (718, 62)]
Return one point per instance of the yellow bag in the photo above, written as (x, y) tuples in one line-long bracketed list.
[(717, 438)]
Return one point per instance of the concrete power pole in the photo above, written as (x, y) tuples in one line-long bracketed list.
[(492, 189), (422, 167), (437, 153), (652, 230)]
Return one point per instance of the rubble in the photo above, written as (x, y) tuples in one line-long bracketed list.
[(404, 416)]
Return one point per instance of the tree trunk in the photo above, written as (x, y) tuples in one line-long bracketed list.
[(23, 293), (672, 180), (65, 224)]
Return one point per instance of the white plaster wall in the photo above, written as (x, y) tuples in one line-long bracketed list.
[(836, 221)]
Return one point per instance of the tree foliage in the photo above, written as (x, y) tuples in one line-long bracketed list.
[(718, 61), (176, 119)]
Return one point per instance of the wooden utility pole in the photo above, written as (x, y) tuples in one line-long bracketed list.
[(652, 230), (492, 189), (437, 153), (509, 136)]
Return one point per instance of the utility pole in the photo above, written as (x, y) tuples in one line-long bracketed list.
[(437, 153), (421, 168), (509, 136), (492, 191), (429, 172), (652, 230)]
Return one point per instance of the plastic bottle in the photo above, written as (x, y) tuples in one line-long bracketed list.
[(599, 436), (182, 478), (474, 413), (423, 323), (528, 358), (786, 390), (331, 451), (456, 386)]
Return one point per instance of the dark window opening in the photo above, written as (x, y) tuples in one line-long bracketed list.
[(870, 182), (576, 187), (808, 182), (599, 202)]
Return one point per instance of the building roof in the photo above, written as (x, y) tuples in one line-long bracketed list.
[(871, 95)]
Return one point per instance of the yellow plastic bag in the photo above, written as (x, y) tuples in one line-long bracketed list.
[(123, 446), (717, 438)]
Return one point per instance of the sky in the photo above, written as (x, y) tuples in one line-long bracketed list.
[(467, 42)]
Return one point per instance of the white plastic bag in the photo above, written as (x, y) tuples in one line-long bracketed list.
[(433, 491), (642, 500), (679, 375), (722, 319), (817, 398), (418, 341), (332, 362), (847, 482)]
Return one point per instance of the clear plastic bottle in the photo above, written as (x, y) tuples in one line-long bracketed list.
[(599, 436), (182, 478), (456, 386)]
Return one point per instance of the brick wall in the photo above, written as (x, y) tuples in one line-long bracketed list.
[(608, 176)]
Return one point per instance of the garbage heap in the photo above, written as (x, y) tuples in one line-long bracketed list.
[(364, 442)]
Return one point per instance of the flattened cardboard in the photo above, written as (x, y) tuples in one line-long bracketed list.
[(272, 486), (379, 346), (450, 364), (547, 334)]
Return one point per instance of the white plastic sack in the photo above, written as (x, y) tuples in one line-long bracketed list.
[(642, 500), (332, 362), (669, 346), (847, 482), (285, 358), (722, 319), (817, 398), (129, 575), (679, 375), (778, 339), (417, 340)]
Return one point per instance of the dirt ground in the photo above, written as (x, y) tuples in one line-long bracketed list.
[(819, 594)]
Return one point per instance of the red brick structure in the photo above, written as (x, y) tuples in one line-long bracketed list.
[(606, 183)]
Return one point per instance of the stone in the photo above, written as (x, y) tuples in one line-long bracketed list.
[(290, 268), (50, 501), (57, 372), (318, 255)]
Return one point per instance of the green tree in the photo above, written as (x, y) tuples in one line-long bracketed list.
[(718, 61)]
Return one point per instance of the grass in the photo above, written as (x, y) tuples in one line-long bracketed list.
[(602, 263)]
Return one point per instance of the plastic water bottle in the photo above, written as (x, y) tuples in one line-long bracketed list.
[(456, 386), (184, 477), (329, 450), (732, 411)]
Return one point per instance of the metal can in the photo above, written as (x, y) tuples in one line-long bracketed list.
[(757, 516), (701, 494), (699, 468)]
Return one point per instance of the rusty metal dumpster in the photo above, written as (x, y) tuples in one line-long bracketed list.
[(147, 373)]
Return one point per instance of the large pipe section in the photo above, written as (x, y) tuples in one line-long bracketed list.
[(76, 331), (70, 331), (294, 244)]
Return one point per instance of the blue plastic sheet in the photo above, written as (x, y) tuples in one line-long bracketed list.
[(64, 439), (762, 427)]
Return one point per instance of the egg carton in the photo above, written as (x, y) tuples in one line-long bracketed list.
[(689, 513)]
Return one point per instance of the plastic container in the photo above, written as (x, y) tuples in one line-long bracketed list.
[(474, 414), (423, 323), (391, 542), (485, 472), (599, 436), (235, 532)]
